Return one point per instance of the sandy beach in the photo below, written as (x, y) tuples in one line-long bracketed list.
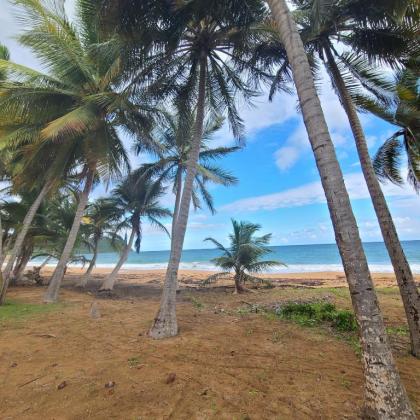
[(230, 361), (193, 278)]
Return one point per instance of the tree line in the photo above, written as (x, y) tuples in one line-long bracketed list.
[(165, 75)]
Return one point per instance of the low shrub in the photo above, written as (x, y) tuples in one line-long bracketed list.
[(311, 314)]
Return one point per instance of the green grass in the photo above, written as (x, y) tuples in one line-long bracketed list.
[(15, 311), (195, 302), (400, 330), (133, 362), (312, 314)]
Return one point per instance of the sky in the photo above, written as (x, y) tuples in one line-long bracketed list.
[(279, 186)]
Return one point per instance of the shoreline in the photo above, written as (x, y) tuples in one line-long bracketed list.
[(194, 277), (298, 269)]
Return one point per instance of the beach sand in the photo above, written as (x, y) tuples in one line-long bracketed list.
[(228, 362), (192, 278)]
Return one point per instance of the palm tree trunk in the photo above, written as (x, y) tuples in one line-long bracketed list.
[(408, 289), (51, 295), (17, 247), (108, 283), (1, 246), (5, 247), (385, 395), (44, 263), (85, 278), (165, 323), (177, 201), (23, 262), (238, 286), (1, 255)]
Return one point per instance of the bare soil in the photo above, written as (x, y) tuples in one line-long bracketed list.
[(226, 363)]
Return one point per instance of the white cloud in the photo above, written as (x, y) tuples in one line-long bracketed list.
[(286, 157), (312, 193), (297, 144), (261, 115)]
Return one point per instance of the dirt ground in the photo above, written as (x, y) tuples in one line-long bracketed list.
[(226, 363)]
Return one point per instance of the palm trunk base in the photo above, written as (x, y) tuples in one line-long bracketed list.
[(108, 284), (386, 402), (51, 295), (165, 325), (83, 281)]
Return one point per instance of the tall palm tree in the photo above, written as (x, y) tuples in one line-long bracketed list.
[(209, 61), (243, 255), (373, 36), (137, 199), (78, 105), (175, 136), (385, 395), (100, 223)]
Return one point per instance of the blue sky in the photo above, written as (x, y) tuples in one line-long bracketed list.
[(278, 180)]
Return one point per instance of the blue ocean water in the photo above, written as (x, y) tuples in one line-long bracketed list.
[(299, 258)]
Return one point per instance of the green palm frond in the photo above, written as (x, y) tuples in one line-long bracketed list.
[(387, 160)]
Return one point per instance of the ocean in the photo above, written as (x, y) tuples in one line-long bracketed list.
[(299, 258)]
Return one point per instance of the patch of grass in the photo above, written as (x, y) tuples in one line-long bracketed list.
[(133, 362), (354, 343), (196, 303), (243, 311), (249, 331), (312, 314), (276, 337), (392, 290), (14, 310), (401, 330), (341, 292), (345, 383)]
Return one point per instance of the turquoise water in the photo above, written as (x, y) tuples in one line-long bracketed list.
[(299, 258)]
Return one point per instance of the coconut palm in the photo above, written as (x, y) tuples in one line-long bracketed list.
[(78, 105), (137, 198), (385, 395), (175, 136), (243, 256), (209, 62), (99, 223), (372, 35)]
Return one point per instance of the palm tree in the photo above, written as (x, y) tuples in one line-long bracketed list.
[(406, 115), (385, 395), (137, 198), (78, 105), (373, 36), (175, 136), (243, 255), (209, 61), (99, 223)]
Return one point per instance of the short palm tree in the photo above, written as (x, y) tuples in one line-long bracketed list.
[(99, 223), (176, 136), (137, 198), (243, 256), (76, 107)]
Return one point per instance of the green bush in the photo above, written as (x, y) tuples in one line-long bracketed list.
[(311, 314)]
